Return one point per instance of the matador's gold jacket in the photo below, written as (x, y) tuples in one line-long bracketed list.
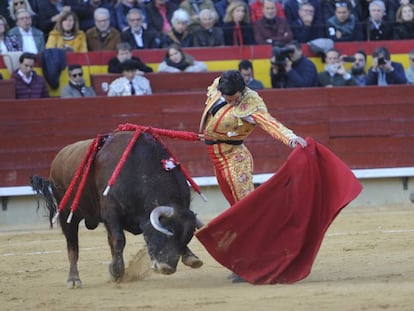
[(236, 122)]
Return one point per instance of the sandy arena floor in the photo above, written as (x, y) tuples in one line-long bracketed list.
[(366, 262)]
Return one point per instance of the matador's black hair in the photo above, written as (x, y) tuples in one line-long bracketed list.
[(231, 82)]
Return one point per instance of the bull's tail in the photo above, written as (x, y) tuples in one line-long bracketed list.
[(43, 188)]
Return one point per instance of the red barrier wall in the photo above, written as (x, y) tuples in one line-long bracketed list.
[(367, 127)]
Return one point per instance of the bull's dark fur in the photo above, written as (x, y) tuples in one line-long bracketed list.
[(142, 185)]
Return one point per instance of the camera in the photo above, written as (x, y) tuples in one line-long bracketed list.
[(381, 61), (348, 59), (281, 55)]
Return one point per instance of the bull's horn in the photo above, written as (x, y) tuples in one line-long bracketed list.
[(155, 215)]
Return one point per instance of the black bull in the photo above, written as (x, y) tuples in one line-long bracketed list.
[(146, 198)]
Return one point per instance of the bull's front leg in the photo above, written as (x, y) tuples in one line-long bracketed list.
[(116, 241), (72, 242)]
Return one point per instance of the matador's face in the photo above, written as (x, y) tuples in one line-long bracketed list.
[(233, 99)]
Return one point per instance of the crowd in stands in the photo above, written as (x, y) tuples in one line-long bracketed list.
[(33, 26)]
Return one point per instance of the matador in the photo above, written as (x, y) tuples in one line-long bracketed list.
[(232, 112)]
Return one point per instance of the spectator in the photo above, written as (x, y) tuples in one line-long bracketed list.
[(177, 61), (292, 69), (390, 6), (256, 10), (124, 52), (49, 13), (178, 33), (103, 36), (291, 8), (28, 83), (138, 36), (194, 8), (358, 68), (236, 24), (130, 83), (85, 11), (335, 73), (270, 28), (206, 34), (305, 28), (409, 72), (383, 71), (377, 28), (121, 12), (328, 8), (29, 38), (76, 86), (246, 70), (221, 7), (159, 14), (67, 34), (343, 26), (21, 4), (7, 43), (404, 26)]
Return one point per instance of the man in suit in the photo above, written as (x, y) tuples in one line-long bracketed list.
[(31, 39), (136, 35)]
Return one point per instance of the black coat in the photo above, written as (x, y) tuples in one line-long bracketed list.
[(403, 31), (247, 33), (383, 33), (150, 39), (114, 65)]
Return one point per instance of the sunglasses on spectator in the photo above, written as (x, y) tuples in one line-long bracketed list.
[(18, 2), (341, 4), (74, 75)]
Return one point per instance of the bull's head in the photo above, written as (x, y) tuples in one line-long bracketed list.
[(167, 234)]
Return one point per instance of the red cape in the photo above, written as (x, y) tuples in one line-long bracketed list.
[(273, 235)]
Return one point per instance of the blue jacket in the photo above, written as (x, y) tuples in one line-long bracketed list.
[(394, 77), (303, 74)]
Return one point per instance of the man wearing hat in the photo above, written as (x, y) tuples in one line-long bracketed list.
[(130, 83)]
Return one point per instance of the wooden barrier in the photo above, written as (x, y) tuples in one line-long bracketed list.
[(7, 88), (369, 127), (162, 82)]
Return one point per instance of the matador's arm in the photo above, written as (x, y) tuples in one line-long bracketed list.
[(276, 129)]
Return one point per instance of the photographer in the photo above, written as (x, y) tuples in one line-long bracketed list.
[(335, 73), (384, 71), (290, 69)]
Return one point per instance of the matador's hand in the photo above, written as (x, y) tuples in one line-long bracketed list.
[(201, 137), (297, 140)]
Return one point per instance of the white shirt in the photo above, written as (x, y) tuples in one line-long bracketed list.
[(138, 39), (3, 47), (122, 87), (29, 44)]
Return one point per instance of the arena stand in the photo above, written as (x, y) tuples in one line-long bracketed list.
[(222, 58)]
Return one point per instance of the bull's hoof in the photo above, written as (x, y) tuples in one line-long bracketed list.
[(162, 268), (191, 261), (117, 269), (74, 283)]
